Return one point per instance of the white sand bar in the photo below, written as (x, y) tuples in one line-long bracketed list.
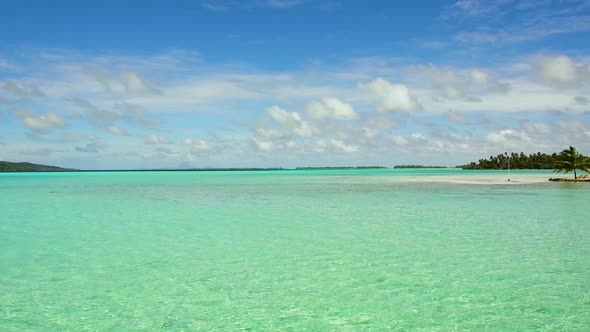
[(483, 179)]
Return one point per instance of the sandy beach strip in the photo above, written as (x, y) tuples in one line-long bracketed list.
[(498, 179)]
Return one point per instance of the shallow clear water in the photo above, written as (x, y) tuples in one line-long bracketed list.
[(291, 250)]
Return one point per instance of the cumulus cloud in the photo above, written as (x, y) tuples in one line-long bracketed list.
[(320, 146), (293, 121), (578, 132), (198, 145), (508, 138), (581, 100), (562, 71), (91, 147), (369, 133), (331, 108), (340, 146), (167, 152), (40, 123), (537, 128), (391, 97), (263, 145), (399, 140), (119, 112), (264, 139), (461, 84), (134, 85), (269, 133), (117, 131), (155, 139)]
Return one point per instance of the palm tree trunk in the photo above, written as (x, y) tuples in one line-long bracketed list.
[(575, 175)]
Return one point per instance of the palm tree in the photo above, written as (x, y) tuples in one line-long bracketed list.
[(570, 160)]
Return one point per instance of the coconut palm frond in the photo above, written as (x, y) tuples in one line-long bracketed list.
[(570, 160)]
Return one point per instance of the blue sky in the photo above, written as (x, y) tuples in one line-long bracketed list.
[(284, 83)]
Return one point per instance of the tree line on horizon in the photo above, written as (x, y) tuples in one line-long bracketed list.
[(521, 160)]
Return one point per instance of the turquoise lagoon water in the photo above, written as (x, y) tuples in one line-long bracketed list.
[(291, 250)]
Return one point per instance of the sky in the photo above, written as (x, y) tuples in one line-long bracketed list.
[(286, 83)]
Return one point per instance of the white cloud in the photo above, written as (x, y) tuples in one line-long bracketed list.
[(399, 140), (155, 139), (41, 123), (117, 131), (369, 133), (263, 145), (225, 5), (292, 136), (520, 21), (268, 133), (320, 146), (134, 85), (101, 77), (292, 121), (508, 137), (562, 71), (391, 97), (457, 117), (577, 131), (524, 96), (22, 89), (198, 145), (461, 84), (118, 112), (264, 138), (418, 136), (282, 3), (331, 108), (91, 147), (473, 7), (537, 128), (341, 146)]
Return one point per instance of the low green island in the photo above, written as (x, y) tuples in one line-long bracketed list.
[(418, 166), (513, 160), (336, 167), (568, 160), (6, 166)]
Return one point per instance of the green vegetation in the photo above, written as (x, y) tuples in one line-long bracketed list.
[(570, 160), (566, 161), (515, 161), (6, 166)]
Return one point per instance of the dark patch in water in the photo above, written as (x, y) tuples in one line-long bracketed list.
[(166, 324)]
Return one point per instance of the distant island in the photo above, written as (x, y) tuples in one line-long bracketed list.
[(515, 161), (230, 169), (418, 166), (336, 167), (568, 160), (6, 166)]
